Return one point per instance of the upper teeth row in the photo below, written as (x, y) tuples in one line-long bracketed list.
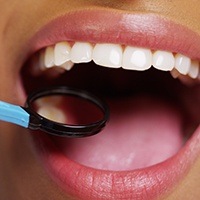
[(114, 55)]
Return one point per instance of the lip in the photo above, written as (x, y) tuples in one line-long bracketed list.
[(128, 29), (121, 28)]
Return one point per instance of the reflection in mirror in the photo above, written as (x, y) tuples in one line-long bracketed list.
[(67, 109)]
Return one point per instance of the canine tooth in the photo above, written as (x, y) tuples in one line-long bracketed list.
[(52, 113), (67, 66), (81, 52), (163, 60), (194, 69), (182, 63), (62, 53), (137, 58), (49, 57), (108, 55)]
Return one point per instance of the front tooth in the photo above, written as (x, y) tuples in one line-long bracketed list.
[(182, 63), (137, 58), (163, 60), (49, 57), (194, 69), (81, 52), (62, 53), (108, 55)]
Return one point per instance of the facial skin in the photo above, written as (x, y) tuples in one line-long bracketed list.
[(21, 175)]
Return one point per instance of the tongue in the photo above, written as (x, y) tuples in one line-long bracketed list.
[(141, 132)]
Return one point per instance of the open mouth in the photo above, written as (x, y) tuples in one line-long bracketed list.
[(153, 97), (148, 108)]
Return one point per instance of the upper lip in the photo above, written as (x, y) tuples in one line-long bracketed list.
[(98, 26), (105, 26)]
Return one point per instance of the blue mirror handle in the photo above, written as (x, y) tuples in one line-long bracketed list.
[(14, 114)]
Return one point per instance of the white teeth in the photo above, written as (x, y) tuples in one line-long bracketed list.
[(81, 52), (163, 60), (108, 55), (137, 58), (62, 53), (182, 64), (49, 57), (114, 56), (194, 69)]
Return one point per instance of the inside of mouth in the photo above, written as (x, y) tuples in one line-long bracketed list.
[(150, 119)]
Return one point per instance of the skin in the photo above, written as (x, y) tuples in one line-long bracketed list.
[(20, 174)]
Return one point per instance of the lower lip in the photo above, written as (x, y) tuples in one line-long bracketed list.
[(87, 183)]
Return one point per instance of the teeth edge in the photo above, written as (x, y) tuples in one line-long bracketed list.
[(115, 56)]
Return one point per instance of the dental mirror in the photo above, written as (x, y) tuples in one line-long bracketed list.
[(60, 111)]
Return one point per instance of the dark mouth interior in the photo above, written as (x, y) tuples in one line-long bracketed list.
[(114, 84), (107, 81)]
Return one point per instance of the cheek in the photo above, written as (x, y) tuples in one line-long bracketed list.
[(182, 12), (20, 170)]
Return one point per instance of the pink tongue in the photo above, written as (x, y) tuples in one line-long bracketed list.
[(141, 132)]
